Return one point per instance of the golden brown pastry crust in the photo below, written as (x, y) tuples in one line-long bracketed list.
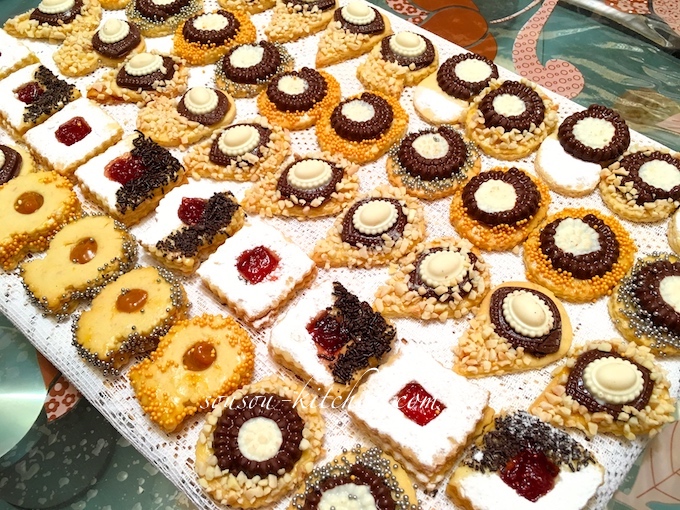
[(86, 20)]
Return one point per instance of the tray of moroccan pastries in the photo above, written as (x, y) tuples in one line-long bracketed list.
[(306, 255)]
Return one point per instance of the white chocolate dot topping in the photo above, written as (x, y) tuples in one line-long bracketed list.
[(248, 55), (375, 217), (444, 268), (358, 12), (211, 21), (292, 85), (55, 6), (348, 496), (200, 100), (431, 146), (309, 174), (114, 30), (2, 159), (494, 196), (472, 70), (162, 2), (509, 105), (527, 314), (238, 140), (670, 291), (358, 110), (144, 63), (259, 439), (593, 132), (613, 380), (575, 236), (660, 174), (407, 44)]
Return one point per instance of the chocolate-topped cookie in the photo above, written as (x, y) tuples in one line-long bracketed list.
[(58, 13), (55, 20), (14, 161), (597, 134), (157, 18), (146, 71), (513, 105), (116, 39)]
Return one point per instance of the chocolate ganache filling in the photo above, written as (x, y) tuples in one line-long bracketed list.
[(147, 81), (617, 146), (445, 167), (588, 265), (211, 37), (315, 91), (527, 201), (377, 26), (647, 282), (220, 158), (416, 281), (322, 5), (262, 71), (449, 82), (57, 18), (576, 388), (264, 405), (208, 118), (12, 165), (351, 235), (357, 131), (308, 195), (118, 49), (647, 193), (156, 12), (534, 109), (418, 61)]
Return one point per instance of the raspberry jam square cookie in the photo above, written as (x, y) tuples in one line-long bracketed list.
[(420, 412), (256, 272), (14, 55), (72, 136)]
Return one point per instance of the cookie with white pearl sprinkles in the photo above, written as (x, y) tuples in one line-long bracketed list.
[(400, 60), (608, 386), (156, 18), (296, 100), (56, 19), (295, 19), (645, 305), (510, 119), (358, 479), (519, 326), (245, 151), (579, 254), (643, 185), (497, 209), (517, 461), (175, 122), (310, 186), (381, 227), (259, 443), (445, 278)]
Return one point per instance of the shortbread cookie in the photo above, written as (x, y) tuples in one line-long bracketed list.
[(579, 254), (56, 19), (314, 185), (376, 229), (83, 257), (270, 430), (197, 361), (673, 233), (356, 476), (14, 55), (33, 208), (72, 136), (128, 317), (246, 69), (497, 209), (445, 278), (250, 6), (245, 151), (157, 18), (519, 462), (30, 96), (129, 178), (14, 161), (190, 223), (295, 19), (608, 386), (141, 78), (256, 272), (204, 38), (82, 53), (519, 326), (411, 408), (199, 112), (296, 99), (644, 305), (510, 119), (400, 60), (444, 97), (355, 29), (332, 339), (362, 127), (643, 185), (114, 5), (432, 163)]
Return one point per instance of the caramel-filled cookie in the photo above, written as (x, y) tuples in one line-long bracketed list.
[(156, 18), (295, 19), (56, 19)]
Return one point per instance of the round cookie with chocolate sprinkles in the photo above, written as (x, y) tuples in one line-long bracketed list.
[(497, 209), (56, 20), (644, 305), (579, 254), (519, 326), (257, 433), (510, 119), (295, 19), (14, 161), (643, 185), (608, 386), (156, 18), (205, 37), (249, 6), (432, 163), (310, 186)]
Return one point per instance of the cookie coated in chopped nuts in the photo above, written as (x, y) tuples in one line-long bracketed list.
[(85, 21)]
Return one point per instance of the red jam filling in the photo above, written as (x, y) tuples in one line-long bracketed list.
[(191, 210), (256, 264), (29, 92), (530, 473), (417, 404), (72, 131), (124, 168), (327, 334)]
